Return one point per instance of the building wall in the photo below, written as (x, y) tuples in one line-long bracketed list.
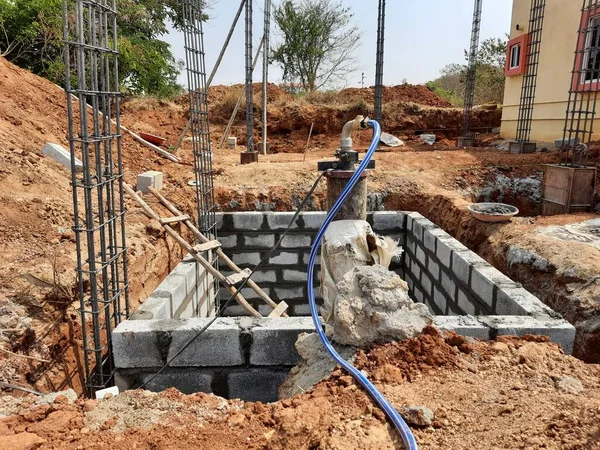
[(559, 38)]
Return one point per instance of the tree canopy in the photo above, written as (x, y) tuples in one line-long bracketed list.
[(318, 42), (31, 36)]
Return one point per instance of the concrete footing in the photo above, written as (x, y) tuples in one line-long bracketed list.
[(522, 147)]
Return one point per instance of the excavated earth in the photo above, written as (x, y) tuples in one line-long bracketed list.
[(499, 399)]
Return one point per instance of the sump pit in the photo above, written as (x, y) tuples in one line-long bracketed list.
[(249, 358)]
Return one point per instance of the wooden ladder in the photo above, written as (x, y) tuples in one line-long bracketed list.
[(207, 246)]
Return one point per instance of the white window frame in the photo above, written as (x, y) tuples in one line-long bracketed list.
[(586, 51), (519, 49)]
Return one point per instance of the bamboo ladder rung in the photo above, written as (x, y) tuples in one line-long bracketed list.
[(172, 220), (238, 277), (210, 245), (279, 311)]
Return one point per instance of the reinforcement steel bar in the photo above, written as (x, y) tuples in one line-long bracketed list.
[(249, 70), (379, 62), (528, 88), (583, 94), (92, 71), (472, 69)]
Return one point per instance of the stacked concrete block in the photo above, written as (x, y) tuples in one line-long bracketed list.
[(151, 178), (61, 155)]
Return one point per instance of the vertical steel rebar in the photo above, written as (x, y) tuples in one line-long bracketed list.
[(583, 93), (200, 126), (249, 96), (472, 69), (532, 53), (90, 47), (266, 50), (378, 113)]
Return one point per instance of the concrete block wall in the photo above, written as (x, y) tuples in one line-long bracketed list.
[(246, 237), (187, 292)]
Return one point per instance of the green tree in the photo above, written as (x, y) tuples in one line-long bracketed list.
[(31, 36), (318, 42)]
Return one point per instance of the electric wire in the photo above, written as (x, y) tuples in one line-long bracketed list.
[(404, 430), (232, 297)]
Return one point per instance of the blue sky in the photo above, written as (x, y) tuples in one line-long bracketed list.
[(421, 37)]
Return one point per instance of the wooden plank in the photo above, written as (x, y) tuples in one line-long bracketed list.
[(207, 246), (221, 254), (238, 277), (203, 262), (277, 312), (176, 219)]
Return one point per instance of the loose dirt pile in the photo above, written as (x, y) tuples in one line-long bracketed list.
[(512, 394)]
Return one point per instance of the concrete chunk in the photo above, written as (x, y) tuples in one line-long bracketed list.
[(151, 178), (61, 155)]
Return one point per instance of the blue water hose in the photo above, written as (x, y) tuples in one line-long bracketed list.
[(407, 437)]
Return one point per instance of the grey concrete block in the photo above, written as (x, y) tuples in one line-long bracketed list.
[(273, 341), (448, 285), (174, 289), (429, 240), (443, 251), (256, 385), (306, 257), (433, 268), (265, 241), (295, 276), (415, 270), (136, 344), (559, 331), (234, 311), (264, 276), (388, 221), (462, 262), (284, 259), (465, 303), (427, 285), (228, 241), (61, 155), (518, 301), (153, 308), (218, 346), (185, 381), (463, 325), (440, 300), (281, 220), (312, 220), (410, 220), (151, 178), (420, 255), (246, 259), (482, 285), (296, 241), (301, 309), (219, 217), (418, 295), (284, 293), (248, 221), (419, 226)]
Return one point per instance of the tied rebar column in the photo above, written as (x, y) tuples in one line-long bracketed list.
[(92, 82), (528, 88), (472, 72), (249, 69), (266, 50), (583, 94), (379, 62), (200, 127)]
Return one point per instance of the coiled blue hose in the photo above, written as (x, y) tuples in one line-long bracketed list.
[(407, 437)]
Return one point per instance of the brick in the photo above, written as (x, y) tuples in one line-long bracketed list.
[(420, 226), (463, 325), (433, 268), (388, 221), (418, 295), (440, 300), (429, 240), (218, 346), (273, 341), (246, 259), (415, 269), (281, 220), (136, 344), (284, 259), (61, 155), (248, 221), (296, 241), (410, 220), (514, 301), (482, 286), (444, 252), (256, 385), (295, 275), (264, 276), (151, 178), (448, 285), (265, 241), (185, 381), (174, 289), (411, 244), (559, 331), (153, 308), (312, 220)]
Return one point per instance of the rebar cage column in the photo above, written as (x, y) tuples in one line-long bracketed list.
[(378, 111), (583, 94), (266, 51), (249, 70), (92, 78), (528, 88), (472, 70), (200, 126)]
